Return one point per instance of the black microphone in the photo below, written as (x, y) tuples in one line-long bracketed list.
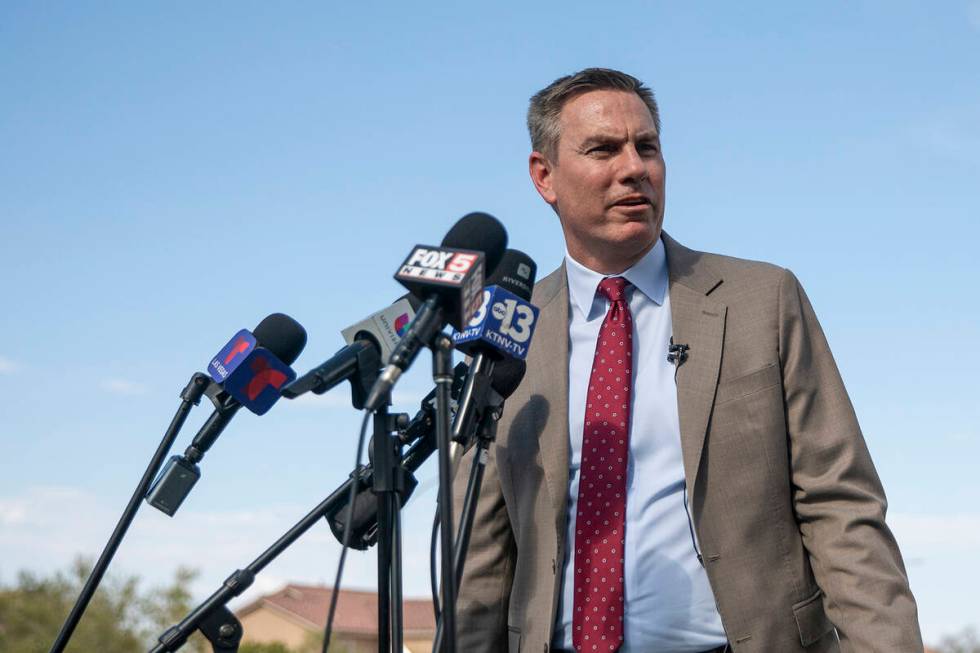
[(501, 329), (277, 335), (369, 342), (507, 376), (449, 279), (282, 336), (420, 434)]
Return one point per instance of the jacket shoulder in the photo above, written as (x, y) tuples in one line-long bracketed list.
[(720, 275), (550, 286)]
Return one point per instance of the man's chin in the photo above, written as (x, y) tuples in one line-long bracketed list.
[(627, 244), (636, 232)]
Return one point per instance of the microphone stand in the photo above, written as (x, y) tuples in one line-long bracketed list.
[(486, 434), (485, 437), (222, 628), (212, 617), (359, 363), (389, 484), (396, 483), (389, 480), (190, 396), (442, 375)]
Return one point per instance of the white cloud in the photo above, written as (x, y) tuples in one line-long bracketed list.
[(44, 528), (12, 513), (931, 536), (939, 550), (8, 366), (123, 387)]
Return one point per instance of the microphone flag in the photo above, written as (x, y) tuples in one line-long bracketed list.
[(386, 326), (251, 374), (504, 321), (231, 355), (454, 275)]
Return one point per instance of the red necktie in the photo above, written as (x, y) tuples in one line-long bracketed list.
[(600, 522)]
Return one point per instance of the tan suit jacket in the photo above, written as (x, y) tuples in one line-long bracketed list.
[(786, 504)]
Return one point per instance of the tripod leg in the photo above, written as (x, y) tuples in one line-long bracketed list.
[(384, 575), (396, 576)]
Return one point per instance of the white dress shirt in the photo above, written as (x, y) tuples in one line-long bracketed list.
[(669, 605)]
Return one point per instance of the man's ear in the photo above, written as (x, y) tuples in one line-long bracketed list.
[(540, 169)]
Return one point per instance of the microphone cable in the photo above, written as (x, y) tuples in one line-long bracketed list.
[(433, 558), (352, 498), (433, 575)]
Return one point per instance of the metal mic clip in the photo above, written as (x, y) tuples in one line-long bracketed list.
[(677, 354)]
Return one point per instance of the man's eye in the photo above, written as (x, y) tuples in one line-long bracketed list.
[(600, 149), (649, 147)]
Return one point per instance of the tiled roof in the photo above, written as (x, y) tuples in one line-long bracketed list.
[(357, 611)]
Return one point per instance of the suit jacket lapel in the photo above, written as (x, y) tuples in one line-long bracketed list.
[(548, 358), (698, 322)]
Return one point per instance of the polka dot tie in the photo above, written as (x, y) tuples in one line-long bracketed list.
[(600, 522)]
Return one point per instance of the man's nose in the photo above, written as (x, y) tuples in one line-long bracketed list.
[(632, 166)]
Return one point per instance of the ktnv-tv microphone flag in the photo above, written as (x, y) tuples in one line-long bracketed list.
[(504, 324), (500, 330)]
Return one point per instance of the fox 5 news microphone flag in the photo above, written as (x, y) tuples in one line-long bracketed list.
[(456, 275)]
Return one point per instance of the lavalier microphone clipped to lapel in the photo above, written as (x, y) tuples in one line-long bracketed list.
[(677, 354)]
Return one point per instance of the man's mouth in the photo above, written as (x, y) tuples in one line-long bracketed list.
[(632, 200)]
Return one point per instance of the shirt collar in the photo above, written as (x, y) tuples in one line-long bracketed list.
[(649, 275)]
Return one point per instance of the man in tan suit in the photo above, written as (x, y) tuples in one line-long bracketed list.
[(788, 548)]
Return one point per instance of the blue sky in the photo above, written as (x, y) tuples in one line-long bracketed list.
[(172, 173)]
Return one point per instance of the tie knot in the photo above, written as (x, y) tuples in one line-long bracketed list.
[(612, 288)]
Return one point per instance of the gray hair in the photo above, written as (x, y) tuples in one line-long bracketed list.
[(546, 104)]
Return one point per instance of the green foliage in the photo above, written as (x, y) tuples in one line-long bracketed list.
[(166, 606), (31, 613), (274, 647), (119, 619), (311, 645)]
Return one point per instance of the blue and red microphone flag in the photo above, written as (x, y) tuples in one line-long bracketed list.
[(250, 373)]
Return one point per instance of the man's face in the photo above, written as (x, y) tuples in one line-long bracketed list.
[(607, 180)]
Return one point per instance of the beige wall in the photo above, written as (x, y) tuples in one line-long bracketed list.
[(265, 626), (417, 645)]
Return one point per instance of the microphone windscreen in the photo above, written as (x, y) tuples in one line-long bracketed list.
[(507, 375), (516, 273), (282, 335), (481, 232)]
